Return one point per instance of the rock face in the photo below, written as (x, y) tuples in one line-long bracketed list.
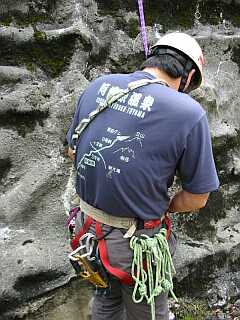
[(49, 50)]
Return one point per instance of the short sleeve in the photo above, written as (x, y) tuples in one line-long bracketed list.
[(74, 124), (196, 166)]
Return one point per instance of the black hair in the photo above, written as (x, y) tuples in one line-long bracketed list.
[(174, 63), (166, 63)]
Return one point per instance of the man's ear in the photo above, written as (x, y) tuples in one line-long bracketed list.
[(191, 74)]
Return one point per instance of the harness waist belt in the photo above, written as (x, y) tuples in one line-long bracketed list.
[(106, 218)]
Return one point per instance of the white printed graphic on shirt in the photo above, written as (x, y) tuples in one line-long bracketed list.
[(134, 104), (124, 147)]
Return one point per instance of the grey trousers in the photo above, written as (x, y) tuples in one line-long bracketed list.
[(118, 305)]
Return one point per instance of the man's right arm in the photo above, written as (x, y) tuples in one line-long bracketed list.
[(184, 201)]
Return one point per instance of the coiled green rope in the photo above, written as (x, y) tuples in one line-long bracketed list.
[(150, 282)]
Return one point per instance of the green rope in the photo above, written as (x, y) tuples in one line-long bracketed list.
[(150, 282)]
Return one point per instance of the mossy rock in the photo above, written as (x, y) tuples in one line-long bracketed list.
[(127, 64), (22, 19), (221, 146), (175, 13), (23, 122), (201, 274), (40, 35), (38, 11), (50, 56), (197, 225), (131, 27), (191, 309), (169, 14)]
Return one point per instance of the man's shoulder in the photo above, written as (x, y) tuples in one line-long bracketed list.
[(111, 78), (104, 82), (189, 107)]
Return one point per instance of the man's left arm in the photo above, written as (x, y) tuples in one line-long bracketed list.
[(74, 124), (70, 153), (185, 201)]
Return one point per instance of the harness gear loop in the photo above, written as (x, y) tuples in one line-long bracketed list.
[(156, 277)]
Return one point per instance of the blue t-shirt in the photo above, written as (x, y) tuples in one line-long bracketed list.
[(127, 157)]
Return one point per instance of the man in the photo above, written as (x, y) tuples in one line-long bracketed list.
[(127, 157)]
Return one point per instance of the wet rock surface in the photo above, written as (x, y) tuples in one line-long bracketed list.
[(49, 52)]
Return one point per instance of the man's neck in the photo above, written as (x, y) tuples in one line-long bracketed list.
[(160, 75)]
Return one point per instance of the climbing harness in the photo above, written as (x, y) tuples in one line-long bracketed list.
[(155, 277), (143, 27), (124, 277), (152, 266)]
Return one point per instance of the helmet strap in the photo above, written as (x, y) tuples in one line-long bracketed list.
[(188, 67)]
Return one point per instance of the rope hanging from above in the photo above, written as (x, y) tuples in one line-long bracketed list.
[(143, 27)]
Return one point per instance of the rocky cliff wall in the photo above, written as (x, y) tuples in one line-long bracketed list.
[(49, 50)]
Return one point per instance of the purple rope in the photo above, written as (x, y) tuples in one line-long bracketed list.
[(143, 27), (72, 214)]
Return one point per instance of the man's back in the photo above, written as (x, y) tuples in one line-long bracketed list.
[(126, 159)]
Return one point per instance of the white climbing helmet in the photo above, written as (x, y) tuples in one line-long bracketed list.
[(186, 44)]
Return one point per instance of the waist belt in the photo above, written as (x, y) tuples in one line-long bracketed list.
[(105, 218)]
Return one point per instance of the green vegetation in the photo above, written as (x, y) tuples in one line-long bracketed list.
[(176, 14), (198, 226), (221, 146), (40, 35), (191, 310), (23, 122), (127, 64), (23, 20), (38, 11), (49, 55), (131, 27), (170, 16)]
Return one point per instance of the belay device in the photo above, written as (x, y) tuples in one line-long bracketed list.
[(84, 258), (86, 263)]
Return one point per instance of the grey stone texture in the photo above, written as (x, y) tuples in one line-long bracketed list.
[(49, 50)]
